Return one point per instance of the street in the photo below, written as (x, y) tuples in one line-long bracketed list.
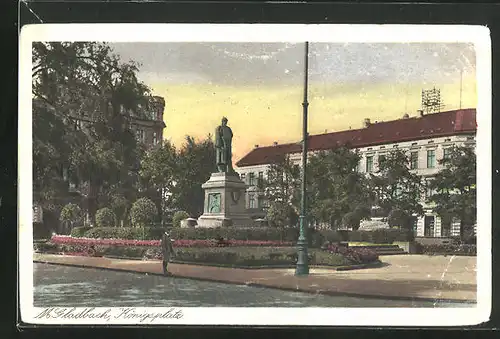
[(63, 286)]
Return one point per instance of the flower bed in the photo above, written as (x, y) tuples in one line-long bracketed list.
[(58, 239), (354, 255)]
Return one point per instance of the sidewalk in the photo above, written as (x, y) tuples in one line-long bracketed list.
[(403, 277)]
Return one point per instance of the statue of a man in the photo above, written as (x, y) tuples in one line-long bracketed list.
[(223, 147)]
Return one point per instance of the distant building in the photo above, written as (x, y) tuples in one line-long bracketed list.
[(426, 138)]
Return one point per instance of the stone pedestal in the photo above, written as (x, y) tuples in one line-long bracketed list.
[(224, 202)]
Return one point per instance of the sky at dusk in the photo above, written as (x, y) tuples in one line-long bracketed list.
[(259, 86)]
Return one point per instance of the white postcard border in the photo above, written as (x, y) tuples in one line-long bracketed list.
[(478, 35)]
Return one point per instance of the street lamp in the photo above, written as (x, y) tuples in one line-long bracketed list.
[(302, 260)]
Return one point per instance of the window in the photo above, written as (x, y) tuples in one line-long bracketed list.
[(251, 201), (261, 178), (140, 134), (78, 124), (252, 179), (413, 160), (381, 159), (431, 158), (445, 228), (242, 176), (155, 138), (446, 153), (369, 164)]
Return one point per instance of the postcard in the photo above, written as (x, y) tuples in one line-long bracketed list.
[(205, 174)]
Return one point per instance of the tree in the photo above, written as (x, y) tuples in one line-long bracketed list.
[(83, 99), (143, 212), (195, 164), (336, 188), (105, 217), (282, 183), (178, 217), (396, 187), (71, 216), (180, 173), (119, 206), (158, 173), (454, 189), (281, 214)]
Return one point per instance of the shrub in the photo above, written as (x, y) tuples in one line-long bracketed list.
[(79, 231), (280, 214), (57, 239), (448, 249), (145, 233), (105, 218), (119, 205), (71, 213), (178, 217), (252, 256), (354, 255), (143, 212)]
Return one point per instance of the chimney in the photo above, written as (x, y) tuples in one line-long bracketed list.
[(406, 116), (256, 146), (275, 143), (366, 122), (421, 112)]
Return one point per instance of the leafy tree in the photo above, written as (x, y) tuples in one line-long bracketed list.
[(158, 173), (143, 212), (178, 217), (336, 188), (105, 217), (196, 162), (282, 184), (83, 99), (454, 189), (281, 214), (71, 215), (396, 187), (180, 172), (119, 206)]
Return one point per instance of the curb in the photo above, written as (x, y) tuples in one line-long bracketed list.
[(281, 288)]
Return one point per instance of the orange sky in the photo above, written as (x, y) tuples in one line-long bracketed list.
[(261, 115)]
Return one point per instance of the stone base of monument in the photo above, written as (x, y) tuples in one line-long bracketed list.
[(224, 202)]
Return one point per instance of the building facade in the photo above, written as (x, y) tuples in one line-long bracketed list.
[(426, 138)]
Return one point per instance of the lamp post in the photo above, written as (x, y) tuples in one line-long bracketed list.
[(302, 260)]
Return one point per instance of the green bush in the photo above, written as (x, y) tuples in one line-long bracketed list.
[(236, 233), (178, 217), (105, 218), (255, 256), (71, 213), (119, 205), (143, 212), (130, 233), (78, 232)]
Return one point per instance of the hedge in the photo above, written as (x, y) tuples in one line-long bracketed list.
[(146, 233), (447, 249), (316, 238)]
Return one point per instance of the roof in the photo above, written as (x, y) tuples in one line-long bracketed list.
[(428, 126)]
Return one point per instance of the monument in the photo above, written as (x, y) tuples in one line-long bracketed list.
[(224, 192)]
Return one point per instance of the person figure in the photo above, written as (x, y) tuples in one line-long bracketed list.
[(223, 147), (167, 251)]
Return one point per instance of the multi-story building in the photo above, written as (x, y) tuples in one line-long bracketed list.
[(426, 137)]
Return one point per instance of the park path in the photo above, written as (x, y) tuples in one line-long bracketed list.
[(402, 276)]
